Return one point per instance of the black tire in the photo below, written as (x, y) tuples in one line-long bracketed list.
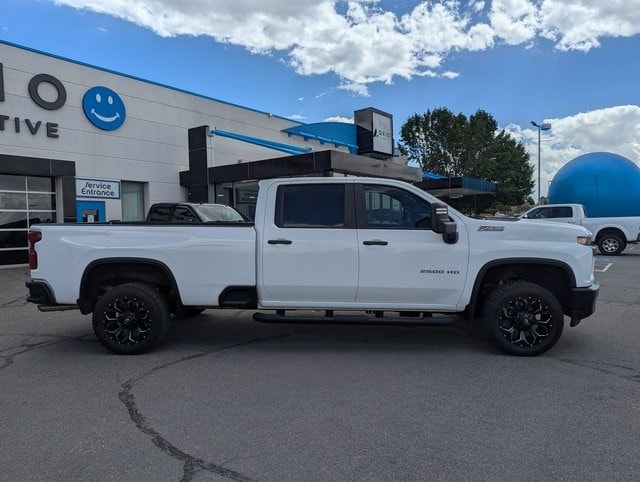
[(524, 318), (131, 318), (611, 244)]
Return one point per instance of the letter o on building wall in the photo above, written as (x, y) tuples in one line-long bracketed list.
[(35, 82)]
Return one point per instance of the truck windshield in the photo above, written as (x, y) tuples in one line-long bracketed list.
[(218, 212)]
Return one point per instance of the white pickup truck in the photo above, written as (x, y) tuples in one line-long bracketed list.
[(346, 250), (611, 234)]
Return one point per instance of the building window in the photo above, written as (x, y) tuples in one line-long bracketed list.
[(132, 201), (24, 201)]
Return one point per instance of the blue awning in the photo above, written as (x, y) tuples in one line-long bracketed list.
[(278, 146), (336, 133)]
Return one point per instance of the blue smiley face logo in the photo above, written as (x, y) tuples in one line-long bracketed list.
[(104, 108)]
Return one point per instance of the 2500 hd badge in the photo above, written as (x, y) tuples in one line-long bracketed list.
[(439, 271)]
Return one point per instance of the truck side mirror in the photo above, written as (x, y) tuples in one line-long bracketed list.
[(442, 224)]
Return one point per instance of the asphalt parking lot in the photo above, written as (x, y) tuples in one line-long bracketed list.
[(227, 398)]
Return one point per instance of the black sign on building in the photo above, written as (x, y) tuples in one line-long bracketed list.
[(374, 133)]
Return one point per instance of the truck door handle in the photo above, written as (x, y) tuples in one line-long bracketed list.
[(375, 242), (279, 241)]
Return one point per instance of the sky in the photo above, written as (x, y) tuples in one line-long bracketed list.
[(574, 64)]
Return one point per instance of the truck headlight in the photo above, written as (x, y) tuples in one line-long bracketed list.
[(584, 240)]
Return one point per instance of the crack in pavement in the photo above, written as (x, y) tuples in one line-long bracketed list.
[(25, 347), (191, 465), (16, 302), (620, 371)]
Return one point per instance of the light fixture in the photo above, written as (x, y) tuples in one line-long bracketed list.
[(545, 126)]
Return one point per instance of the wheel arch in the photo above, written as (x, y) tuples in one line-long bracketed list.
[(607, 230), (102, 274), (556, 276)]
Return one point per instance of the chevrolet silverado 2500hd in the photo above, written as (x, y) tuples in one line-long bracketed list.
[(344, 246)]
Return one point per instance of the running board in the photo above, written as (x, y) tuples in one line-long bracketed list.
[(330, 319)]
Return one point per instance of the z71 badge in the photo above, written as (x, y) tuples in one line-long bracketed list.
[(491, 228)]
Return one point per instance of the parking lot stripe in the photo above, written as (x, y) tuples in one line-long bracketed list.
[(603, 269)]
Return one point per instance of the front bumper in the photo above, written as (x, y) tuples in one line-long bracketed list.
[(583, 302)]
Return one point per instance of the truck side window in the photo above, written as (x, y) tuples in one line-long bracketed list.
[(184, 215), (390, 207), (160, 214), (540, 213), (563, 212), (311, 206)]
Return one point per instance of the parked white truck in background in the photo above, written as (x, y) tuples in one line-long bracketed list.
[(360, 250), (611, 234)]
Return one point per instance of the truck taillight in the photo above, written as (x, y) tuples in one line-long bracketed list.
[(34, 237)]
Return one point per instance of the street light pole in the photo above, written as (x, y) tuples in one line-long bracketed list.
[(545, 126)]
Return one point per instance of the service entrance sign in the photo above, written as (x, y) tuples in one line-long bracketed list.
[(96, 188)]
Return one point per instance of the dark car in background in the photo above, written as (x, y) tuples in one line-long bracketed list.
[(194, 213)]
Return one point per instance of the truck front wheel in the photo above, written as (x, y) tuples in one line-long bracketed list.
[(611, 244), (524, 319), (131, 318)]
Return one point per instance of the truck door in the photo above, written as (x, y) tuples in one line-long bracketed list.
[(402, 261), (307, 250)]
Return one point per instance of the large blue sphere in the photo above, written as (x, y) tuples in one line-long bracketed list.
[(607, 184)]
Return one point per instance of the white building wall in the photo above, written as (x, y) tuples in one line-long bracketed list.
[(152, 144)]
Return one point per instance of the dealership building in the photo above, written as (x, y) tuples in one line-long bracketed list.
[(79, 143)]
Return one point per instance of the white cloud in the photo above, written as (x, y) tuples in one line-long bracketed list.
[(337, 118), (478, 6), (297, 117), (363, 43), (578, 25), (514, 21), (615, 129), (355, 88)]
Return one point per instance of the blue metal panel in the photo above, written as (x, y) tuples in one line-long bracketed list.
[(478, 185), (90, 211), (278, 146), (336, 133)]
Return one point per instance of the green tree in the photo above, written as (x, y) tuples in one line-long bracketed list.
[(454, 145)]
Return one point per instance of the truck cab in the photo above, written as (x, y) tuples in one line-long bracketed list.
[(564, 213)]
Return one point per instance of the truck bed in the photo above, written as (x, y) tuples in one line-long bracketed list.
[(203, 258)]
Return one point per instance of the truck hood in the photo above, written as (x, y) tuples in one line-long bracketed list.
[(516, 228)]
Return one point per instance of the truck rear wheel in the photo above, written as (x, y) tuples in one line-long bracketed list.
[(131, 318), (524, 319), (611, 244)]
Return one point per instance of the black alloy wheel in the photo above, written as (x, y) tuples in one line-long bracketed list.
[(131, 318), (524, 319)]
